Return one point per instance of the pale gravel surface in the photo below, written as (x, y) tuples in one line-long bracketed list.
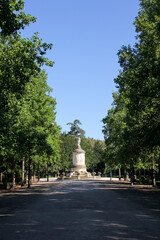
[(80, 210)]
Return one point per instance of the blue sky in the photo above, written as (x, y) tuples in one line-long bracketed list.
[(86, 36)]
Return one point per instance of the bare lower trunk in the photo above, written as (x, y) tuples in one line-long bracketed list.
[(153, 171), (34, 176), (110, 174), (38, 175), (132, 175), (125, 174), (47, 173), (119, 170), (1, 178), (23, 169), (13, 174), (29, 172)]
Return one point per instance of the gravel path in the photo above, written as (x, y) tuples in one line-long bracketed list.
[(76, 210)]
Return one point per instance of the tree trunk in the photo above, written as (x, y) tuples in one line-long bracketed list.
[(1, 178), (47, 173), (153, 171), (119, 170), (110, 174), (34, 177), (29, 171), (125, 174), (38, 174), (13, 174), (132, 175), (23, 169)]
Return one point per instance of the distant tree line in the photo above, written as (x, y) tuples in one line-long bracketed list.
[(132, 125), (94, 156)]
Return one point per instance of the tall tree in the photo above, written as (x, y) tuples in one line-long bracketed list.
[(68, 144), (27, 112), (138, 87), (75, 129)]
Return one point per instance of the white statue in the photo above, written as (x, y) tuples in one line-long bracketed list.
[(78, 142)]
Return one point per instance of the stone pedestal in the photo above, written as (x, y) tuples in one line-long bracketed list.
[(78, 169), (79, 161)]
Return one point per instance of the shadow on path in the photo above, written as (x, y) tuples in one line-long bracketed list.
[(80, 210)]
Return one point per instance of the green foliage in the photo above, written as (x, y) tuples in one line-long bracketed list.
[(94, 154), (27, 111), (75, 129), (12, 18), (68, 144), (132, 126)]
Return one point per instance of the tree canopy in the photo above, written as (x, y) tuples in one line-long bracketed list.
[(132, 126), (27, 111), (75, 129)]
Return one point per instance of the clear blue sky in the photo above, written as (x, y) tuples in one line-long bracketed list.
[(86, 36)]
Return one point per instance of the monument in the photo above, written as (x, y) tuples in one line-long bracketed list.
[(79, 167)]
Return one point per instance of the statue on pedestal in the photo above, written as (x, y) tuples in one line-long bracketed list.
[(78, 142), (79, 167)]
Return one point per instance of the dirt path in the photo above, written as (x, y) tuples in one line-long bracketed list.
[(76, 210)]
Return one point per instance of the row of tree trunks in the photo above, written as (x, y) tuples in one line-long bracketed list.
[(126, 175), (23, 180)]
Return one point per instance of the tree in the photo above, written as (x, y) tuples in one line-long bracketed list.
[(94, 154), (68, 144), (27, 111), (138, 91), (38, 131), (12, 17), (75, 129)]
